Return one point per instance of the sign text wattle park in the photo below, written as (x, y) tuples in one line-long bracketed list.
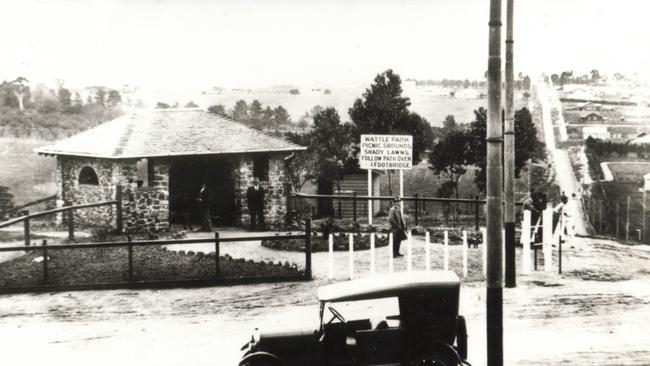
[(386, 152)]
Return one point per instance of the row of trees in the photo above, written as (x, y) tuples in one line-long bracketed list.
[(460, 146), (255, 115), (601, 148), (522, 82), (24, 110), (567, 77), (332, 146)]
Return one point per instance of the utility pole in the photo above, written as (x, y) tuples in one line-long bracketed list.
[(494, 189), (509, 151)]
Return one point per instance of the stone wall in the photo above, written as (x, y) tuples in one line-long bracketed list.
[(72, 192), (144, 208), (275, 203), (147, 208)]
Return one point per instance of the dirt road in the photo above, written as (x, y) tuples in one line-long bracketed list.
[(564, 175), (597, 313)]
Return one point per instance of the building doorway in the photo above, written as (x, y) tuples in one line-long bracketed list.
[(186, 176)]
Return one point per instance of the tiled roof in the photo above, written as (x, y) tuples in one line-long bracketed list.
[(167, 133)]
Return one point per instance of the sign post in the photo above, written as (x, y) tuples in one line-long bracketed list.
[(386, 152)]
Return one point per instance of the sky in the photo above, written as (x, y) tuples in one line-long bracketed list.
[(246, 43)]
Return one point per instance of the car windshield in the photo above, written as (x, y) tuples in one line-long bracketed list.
[(375, 310)]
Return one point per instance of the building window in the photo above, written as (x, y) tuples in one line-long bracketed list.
[(144, 172), (261, 167), (88, 176)]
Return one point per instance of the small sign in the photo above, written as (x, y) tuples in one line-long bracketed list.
[(386, 152)]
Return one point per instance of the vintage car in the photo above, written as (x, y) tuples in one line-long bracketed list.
[(418, 325)]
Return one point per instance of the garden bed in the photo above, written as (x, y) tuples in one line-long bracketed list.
[(150, 263), (320, 243)]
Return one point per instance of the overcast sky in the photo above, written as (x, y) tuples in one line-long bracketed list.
[(189, 44)]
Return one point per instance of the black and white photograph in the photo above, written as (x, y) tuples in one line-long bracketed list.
[(297, 183)]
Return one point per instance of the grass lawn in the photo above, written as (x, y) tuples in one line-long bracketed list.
[(28, 175)]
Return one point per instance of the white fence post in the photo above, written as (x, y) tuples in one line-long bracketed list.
[(372, 252), (409, 252), (351, 260), (484, 235), (525, 242), (390, 252), (547, 232), (446, 246), (427, 248), (465, 253), (331, 255)]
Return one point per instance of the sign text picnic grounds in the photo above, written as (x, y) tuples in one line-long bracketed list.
[(386, 152)]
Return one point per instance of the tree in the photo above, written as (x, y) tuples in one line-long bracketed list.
[(100, 97), (240, 112), (526, 83), (383, 110), (449, 124), (527, 146), (256, 109), (20, 90), (301, 168), (595, 76), (280, 117), (267, 117), (217, 109), (114, 98), (162, 105), (303, 122), (450, 156), (191, 104), (331, 144), (64, 96)]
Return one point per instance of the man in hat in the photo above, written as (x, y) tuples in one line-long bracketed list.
[(204, 208), (255, 197), (396, 225)]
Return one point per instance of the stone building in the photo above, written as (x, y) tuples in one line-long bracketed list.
[(158, 159)]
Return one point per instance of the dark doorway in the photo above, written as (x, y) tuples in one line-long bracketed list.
[(185, 178), (325, 205)]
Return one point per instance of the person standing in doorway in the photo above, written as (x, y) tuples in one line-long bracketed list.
[(255, 197), (396, 226), (204, 208)]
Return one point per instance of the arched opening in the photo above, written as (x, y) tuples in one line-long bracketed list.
[(88, 176)]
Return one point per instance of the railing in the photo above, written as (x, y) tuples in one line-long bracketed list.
[(217, 279), (26, 219), (32, 203), (419, 203)]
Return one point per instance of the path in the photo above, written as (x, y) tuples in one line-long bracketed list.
[(564, 175)]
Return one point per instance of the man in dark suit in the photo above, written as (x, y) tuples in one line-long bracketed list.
[(255, 197), (396, 226), (204, 208)]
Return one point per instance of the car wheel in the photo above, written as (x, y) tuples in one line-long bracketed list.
[(432, 355), (260, 359)]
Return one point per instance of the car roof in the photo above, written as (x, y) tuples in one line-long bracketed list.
[(387, 285)]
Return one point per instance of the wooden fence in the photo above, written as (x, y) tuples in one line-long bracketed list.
[(44, 248)]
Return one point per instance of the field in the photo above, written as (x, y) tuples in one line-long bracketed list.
[(629, 172), (431, 106), (28, 175)]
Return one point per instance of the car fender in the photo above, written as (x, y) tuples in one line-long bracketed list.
[(261, 356)]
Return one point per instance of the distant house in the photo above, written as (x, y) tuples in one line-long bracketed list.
[(596, 132), (158, 160), (591, 117)]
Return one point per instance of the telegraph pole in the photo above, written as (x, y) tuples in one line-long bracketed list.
[(494, 186), (509, 151)]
